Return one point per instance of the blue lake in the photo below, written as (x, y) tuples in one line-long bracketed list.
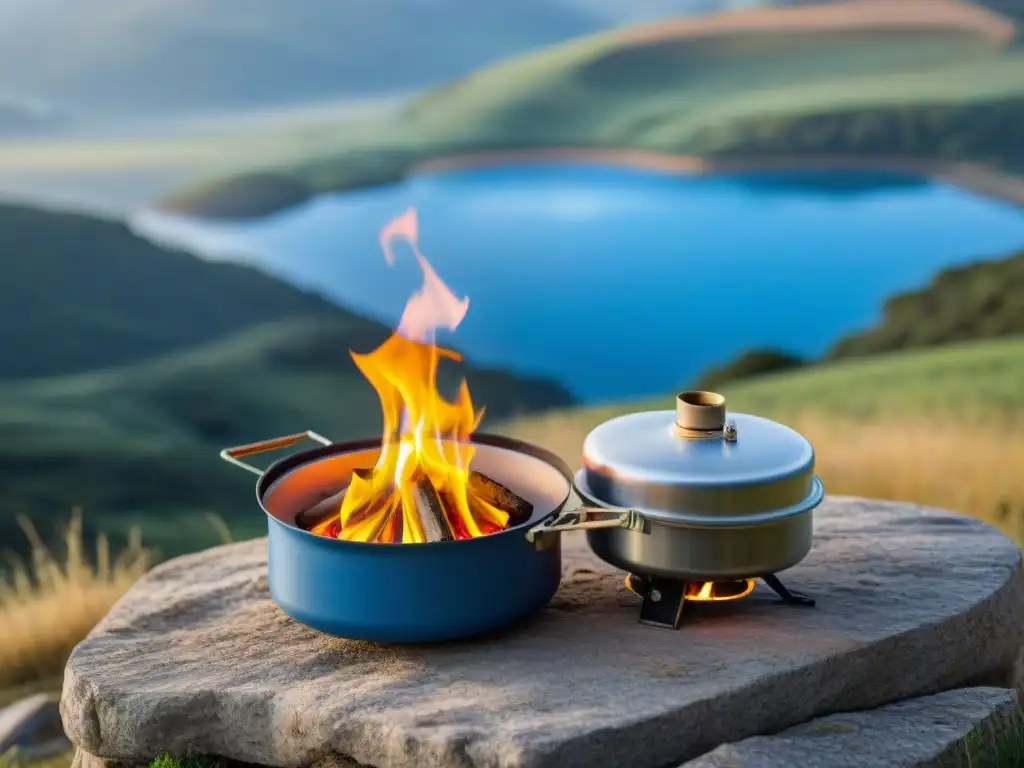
[(620, 282)]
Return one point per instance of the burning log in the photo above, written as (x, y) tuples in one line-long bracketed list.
[(497, 495), (436, 512), (324, 518), (320, 516), (431, 511)]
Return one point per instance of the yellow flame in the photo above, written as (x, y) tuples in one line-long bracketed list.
[(423, 433), (711, 591)]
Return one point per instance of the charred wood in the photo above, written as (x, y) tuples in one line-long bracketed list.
[(497, 495)]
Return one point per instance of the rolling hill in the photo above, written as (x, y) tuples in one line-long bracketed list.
[(79, 293), (983, 300), (977, 301), (139, 444), (976, 382), (127, 367), (925, 85)]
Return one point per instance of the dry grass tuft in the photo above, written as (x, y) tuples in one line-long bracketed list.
[(47, 605), (12, 760), (976, 468), (967, 468)]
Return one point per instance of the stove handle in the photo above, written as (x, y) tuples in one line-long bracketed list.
[(580, 519), (234, 455)]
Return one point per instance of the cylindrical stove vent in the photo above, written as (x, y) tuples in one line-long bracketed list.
[(699, 414)]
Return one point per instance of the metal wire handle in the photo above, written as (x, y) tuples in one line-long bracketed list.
[(233, 455), (581, 519)]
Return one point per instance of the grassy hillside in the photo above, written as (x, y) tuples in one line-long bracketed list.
[(943, 427), (977, 301), (925, 82), (78, 293), (127, 367), (981, 300), (139, 444)]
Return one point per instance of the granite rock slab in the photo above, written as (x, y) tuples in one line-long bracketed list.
[(965, 726), (951, 729), (196, 658)]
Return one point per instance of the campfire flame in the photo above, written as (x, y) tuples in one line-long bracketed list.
[(719, 591), (425, 437)]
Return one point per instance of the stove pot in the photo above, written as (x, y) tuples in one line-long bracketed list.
[(695, 494)]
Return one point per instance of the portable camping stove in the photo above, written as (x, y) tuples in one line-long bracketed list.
[(665, 598)]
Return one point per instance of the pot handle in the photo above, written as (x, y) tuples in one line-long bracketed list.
[(234, 455), (580, 519)]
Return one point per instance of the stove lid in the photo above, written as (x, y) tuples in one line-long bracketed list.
[(699, 465)]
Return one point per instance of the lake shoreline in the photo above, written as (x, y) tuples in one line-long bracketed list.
[(984, 180), (974, 177), (512, 236)]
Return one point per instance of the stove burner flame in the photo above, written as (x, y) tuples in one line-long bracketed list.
[(719, 591), (702, 591)]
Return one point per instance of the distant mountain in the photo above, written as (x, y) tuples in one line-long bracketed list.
[(177, 55), (152, 57), (169, 56)]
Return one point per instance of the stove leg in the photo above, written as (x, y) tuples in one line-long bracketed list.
[(789, 596), (663, 602)]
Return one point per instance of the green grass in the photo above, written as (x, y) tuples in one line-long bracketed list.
[(167, 761), (998, 745), (973, 382), (952, 91)]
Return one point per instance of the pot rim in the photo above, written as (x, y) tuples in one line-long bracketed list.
[(679, 519), (283, 466)]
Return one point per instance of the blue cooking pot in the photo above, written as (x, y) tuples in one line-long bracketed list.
[(405, 593)]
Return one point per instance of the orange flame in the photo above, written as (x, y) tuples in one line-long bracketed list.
[(424, 434), (719, 591), (701, 591)]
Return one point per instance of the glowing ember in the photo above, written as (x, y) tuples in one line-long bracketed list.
[(719, 591), (421, 488)]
